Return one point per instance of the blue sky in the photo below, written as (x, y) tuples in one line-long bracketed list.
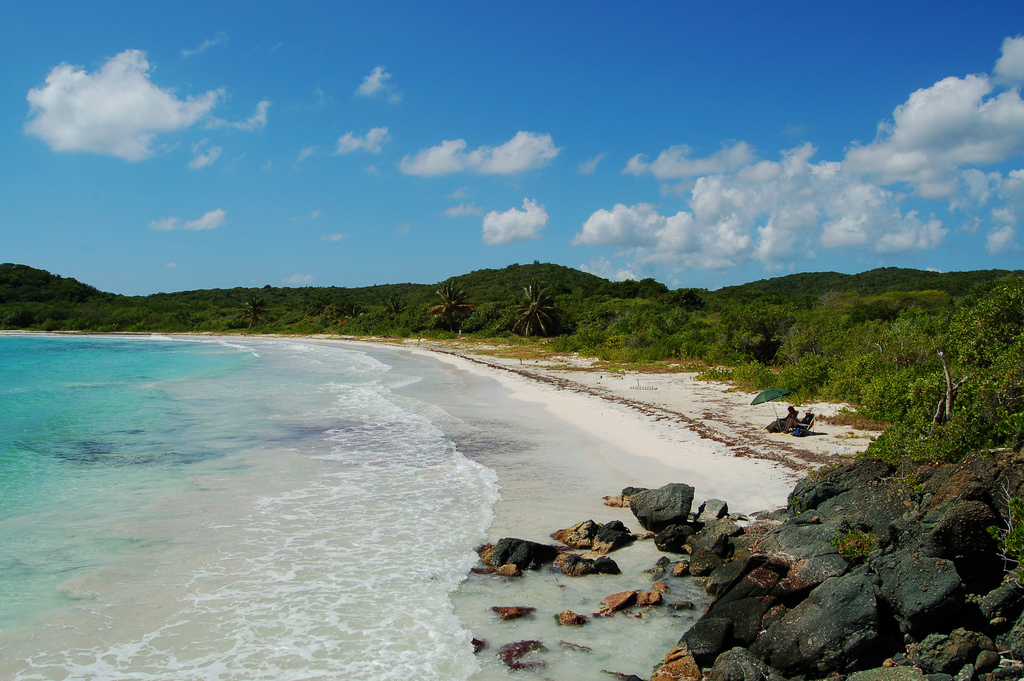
[(164, 146)]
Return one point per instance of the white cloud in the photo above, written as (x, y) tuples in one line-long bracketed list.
[(340, 236), (203, 159), (370, 142), (772, 212), (736, 209), (210, 220), (257, 121), (1002, 241), (444, 159), (299, 280), (674, 163), (954, 123), (590, 167), (376, 83), (116, 110), (1010, 66), (514, 224), (306, 153), (636, 226), (603, 268), (221, 39), (463, 209), (525, 151)]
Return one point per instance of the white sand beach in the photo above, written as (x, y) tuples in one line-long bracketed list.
[(646, 430)]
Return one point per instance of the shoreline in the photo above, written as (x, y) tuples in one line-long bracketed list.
[(674, 424), (578, 434), (704, 433)]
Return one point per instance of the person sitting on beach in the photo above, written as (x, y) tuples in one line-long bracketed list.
[(791, 421)]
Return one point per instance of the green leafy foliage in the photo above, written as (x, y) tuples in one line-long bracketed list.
[(1011, 539), (854, 545), (454, 305)]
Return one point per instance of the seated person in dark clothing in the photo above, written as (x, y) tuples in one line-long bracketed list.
[(791, 421)]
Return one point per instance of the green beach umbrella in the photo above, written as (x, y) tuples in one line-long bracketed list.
[(770, 395)]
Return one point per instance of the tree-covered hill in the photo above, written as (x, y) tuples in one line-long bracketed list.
[(873, 282), (24, 284)]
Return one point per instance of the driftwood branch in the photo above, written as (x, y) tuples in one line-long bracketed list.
[(944, 410)]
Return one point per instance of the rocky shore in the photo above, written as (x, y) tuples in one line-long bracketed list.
[(870, 573)]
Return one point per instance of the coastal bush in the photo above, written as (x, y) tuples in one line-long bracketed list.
[(754, 376), (1010, 540), (854, 545), (807, 376)]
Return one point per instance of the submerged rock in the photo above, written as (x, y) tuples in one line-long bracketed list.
[(509, 570), (618, 601), (512, 654), (579, 566), (567, 618), (513, 612), (522, 553)]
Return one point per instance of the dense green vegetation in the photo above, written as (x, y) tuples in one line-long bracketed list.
[(940, 356)]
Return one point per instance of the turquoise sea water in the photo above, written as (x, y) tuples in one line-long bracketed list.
[(210, 509)]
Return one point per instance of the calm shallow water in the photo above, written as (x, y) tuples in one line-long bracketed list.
[(227, 510)]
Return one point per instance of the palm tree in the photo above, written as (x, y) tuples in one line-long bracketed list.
[(537, 313), (253, 307), (394, 304), (453, 307)]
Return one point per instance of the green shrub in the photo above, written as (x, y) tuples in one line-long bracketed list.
[(854, 545), (1011, 539)]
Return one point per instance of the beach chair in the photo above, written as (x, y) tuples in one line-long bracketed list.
[(804, 427)]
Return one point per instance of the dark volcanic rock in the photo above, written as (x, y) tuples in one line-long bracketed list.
[(942, 654), (924, 592), (892, 674), (1005, 601), (522, 553), (958, 531), (656, 509), (673, 538), (833, 630), (809, 494), (578, 566), (739, 664), (704, 561), (712, 509), (707, 638), (591, 535), (746, 615), (611, 536), (1013, 640)]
